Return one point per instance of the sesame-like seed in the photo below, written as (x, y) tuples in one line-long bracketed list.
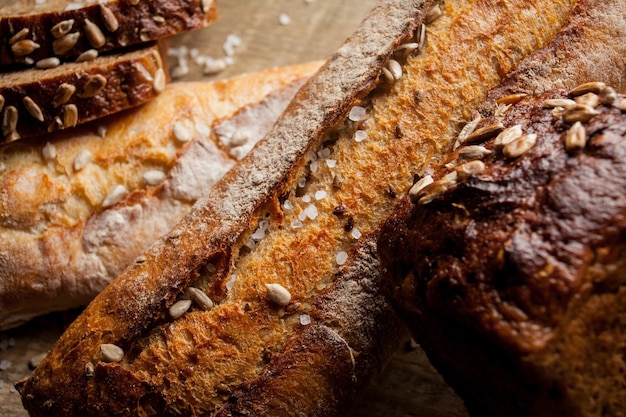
[(278, 294), (467, 130), (420, 37), (62, 28), (9, 120), (485, 133), (179, 308), (82, 159), (32, 108), (357, 113), (559, 102), (115, 196), (94, 34), (201, 298), (88, 55), (93, 86), (388, 75), (64, 44), (433, 14), (473, 152), (469, 169), (511, 98), (341, 258), (70, 116), (579, 113), (409, 47), (182, 130), (591, 87), (108, 17), (507, 136), (416, 189), (24, 47), (49, 152), (23, 33), (395, 69), (575, 137), (438, 187), (48, 63), (111, 352), (63, 94), (519, 146), (153, 177), (159, 81)]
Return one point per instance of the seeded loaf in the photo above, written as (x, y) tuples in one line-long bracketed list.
[(35, 31), (77, 208), (35, 102), (284, 245), (512, 278)]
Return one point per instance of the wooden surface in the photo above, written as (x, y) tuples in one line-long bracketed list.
[(408, 386)]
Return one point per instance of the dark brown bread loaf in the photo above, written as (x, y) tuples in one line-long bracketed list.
[(32, 31), (284, 244)]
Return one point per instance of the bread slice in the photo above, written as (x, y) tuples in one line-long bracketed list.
[(35, 102), (284, 245), (78, 207), (35, 32)]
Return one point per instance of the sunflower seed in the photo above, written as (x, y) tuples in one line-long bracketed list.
[(520, 146), (62, 28), (409, 47), (200, 298), (501, 110), (433, 14), (115, 196), (511, 98), (24, 47), (474, 152), (388, 75), (278, 294), (108, 17), (89, 370), (9, 120), (417, 188), (420, 37), (19, 36), (592, 87), (558, 102), (159, 81), (158, 19), (507, 136), (110, 353), (93, 86), (485, 133), (49, 152), (620, 104), (70, 116), (179, 308), (608, 95), (32, 108), (1, 102), (467, 130), (63, 94), (88, 55), (65, 43), (395, 69), (153, 177), (183, 131), (579, 113), (588, 99), (48, 63), (469, 169), (94, 34), (576, 137), (82, 159), (438, 188), (144, 35)]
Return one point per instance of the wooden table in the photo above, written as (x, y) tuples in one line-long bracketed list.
[(408, 386)]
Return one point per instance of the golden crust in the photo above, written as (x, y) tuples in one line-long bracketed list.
[(60, 246)]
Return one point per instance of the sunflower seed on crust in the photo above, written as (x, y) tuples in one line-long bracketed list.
[(519, 146), (108, 17), (485, 133), (433, 13), (32, 108), (179, 308), (512, 98), (94, 34), (588, 99), (63, 94), (608, 95), (82, 159), (111, 352), (47, 63), (473, 152), (115, 196), (467, 130), (70, 116), (9, 120), (88, 55), (559, 102), (575, 137), (507, 135), (438, 188), (62, 28), (24, 47), (65, 43), (416, 189), (395, 69), (159, 81), (579, 113), (591, 87), (23, 33), (278, 294), (199, 297), (93, 86), (469, 169)]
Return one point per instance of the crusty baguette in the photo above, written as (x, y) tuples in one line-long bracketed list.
[(32, 31), (61, 242), (35, 102), (290, 213)]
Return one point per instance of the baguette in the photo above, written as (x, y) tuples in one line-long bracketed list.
[(285, 243), (33, 31), (61, 241), (35, 102)]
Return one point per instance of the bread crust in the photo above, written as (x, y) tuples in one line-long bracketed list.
[(246, 349), (61, 245), (120, 23)]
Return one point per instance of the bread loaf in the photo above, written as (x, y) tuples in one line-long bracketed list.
[(33, 31), (79, 206), (284, 245), (35, 102)]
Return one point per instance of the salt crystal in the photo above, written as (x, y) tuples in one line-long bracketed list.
[(356, 233), (357, 113), (287, 205), (341, 258), (306, 198), (360, 135), (320, 195), (305, 319), (312, 212), (231, 282), (4, 365), (314, 166), (331, 163), (296, 224), (284, 19)]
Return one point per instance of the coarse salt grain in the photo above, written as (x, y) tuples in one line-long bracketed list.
[(287, 205), (153, 177), (356, 233), (312, 212), (357, 113), (296, 224), (231, 282), (360, 135), (305, 319), (313, 166), (320, 195), (49, 152), (306, 198), (183, 132), (301, 182), (341, 258), (331, 163), (284, 19)]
